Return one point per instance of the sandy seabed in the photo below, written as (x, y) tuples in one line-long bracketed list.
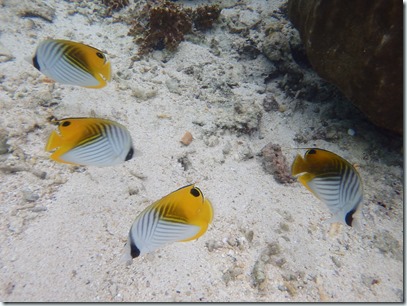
[(63, 227)]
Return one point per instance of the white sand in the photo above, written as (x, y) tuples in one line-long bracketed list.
[(62, 235)]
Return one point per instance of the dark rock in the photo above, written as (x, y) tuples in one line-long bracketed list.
[(358, 46), (270, 103), (4, 147)]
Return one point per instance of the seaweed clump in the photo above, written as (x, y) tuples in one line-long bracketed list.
[(164, 24)]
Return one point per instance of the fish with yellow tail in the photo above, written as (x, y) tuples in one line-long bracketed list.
[(182, 215), (90, 142), (333, 180), (72, 63)]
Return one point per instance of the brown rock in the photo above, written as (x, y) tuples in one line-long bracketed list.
[(275, 163), (358, 46)]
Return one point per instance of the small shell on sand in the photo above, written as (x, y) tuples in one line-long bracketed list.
[(186, 139)]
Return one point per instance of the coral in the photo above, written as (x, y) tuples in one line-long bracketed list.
[(204, 16), (37, 9), (160, 26), (163, 24), (114, 5), (244, 118), (259, 273)]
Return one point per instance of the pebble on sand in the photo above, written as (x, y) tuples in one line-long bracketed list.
[(187, 138)]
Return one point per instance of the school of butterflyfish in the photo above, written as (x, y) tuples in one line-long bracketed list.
[(185, 214)]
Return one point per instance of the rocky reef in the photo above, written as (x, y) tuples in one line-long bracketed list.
[(357, 46)]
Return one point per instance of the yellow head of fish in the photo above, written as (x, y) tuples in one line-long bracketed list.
[(315, 162), (187, 205)]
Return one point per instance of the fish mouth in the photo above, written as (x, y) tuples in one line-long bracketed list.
[(129, 154)]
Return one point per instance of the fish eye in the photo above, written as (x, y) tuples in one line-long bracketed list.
[(312, 151), (195, 192), (66, 123), (100, 55)]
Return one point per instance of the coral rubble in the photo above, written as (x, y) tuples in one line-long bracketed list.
[(114, 5)]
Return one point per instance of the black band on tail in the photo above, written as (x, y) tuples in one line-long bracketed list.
[(130, 154), (349, 217), (35, 63), (134, 250)]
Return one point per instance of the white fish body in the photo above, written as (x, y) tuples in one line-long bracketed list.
[(110, 149), (152, 233), (342, 195)]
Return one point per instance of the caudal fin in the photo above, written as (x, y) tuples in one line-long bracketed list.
[(126, 256)]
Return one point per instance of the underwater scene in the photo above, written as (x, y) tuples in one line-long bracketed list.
[(201, 151)]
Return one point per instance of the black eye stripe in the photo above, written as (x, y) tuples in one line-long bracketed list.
[(195, 192)]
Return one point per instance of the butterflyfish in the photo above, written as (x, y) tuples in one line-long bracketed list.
[(333, 180), (90, 142), (73, 63), (182, 215)]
